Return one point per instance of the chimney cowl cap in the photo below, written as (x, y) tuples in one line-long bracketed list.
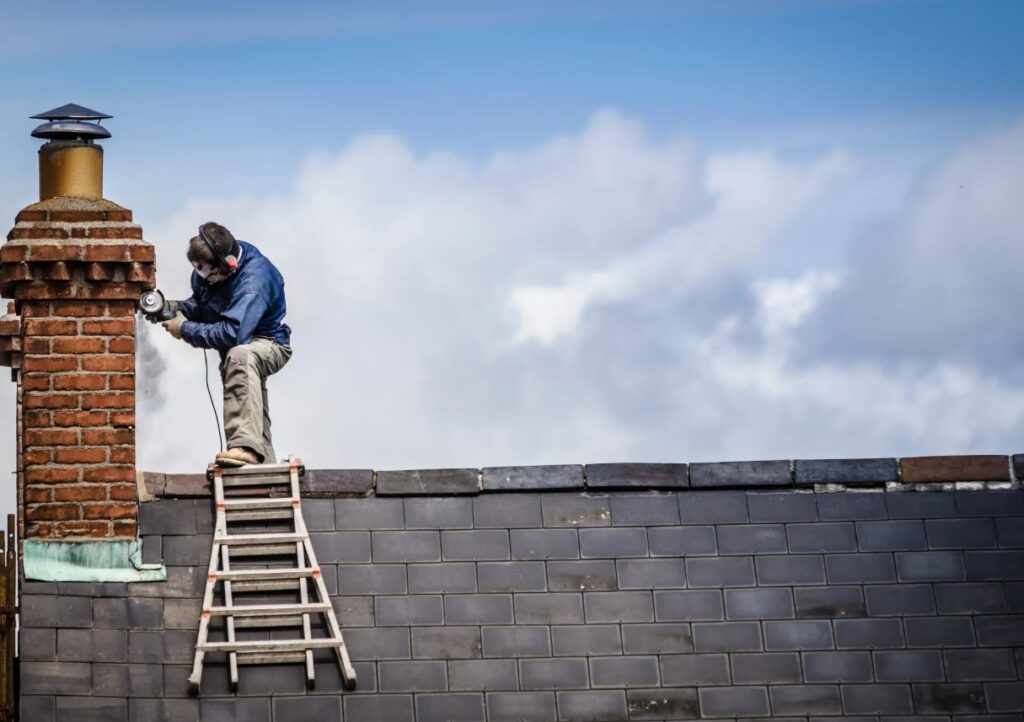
[(70, 122)]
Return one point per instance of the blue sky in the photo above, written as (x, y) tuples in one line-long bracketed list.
[(575, 231)]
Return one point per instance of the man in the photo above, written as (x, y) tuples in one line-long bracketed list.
[(237, 307)]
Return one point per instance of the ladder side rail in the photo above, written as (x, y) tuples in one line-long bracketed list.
[(220, 529), (229, 602), (300, 528)]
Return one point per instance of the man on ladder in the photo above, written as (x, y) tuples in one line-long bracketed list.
[(237, 307)]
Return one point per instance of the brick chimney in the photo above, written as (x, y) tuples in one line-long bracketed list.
[(75, 264)]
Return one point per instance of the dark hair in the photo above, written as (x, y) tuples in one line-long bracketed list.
[(221, 239)]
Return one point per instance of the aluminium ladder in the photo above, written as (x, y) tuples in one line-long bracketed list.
[(260, 483)]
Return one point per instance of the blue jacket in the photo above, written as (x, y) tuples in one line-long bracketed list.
[(230, 313)]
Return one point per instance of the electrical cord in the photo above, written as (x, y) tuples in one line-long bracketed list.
[(213, 404)]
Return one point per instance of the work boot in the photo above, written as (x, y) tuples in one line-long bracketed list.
[(238, 456)]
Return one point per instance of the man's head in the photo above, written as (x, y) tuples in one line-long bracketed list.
[(213, 252)]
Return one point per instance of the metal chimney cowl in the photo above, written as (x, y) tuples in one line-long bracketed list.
[(70, 163)]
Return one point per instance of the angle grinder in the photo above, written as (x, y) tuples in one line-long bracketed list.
[(155, 307)]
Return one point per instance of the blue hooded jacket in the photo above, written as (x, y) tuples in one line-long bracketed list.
[(248, 303)]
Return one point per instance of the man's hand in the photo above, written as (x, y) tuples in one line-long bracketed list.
[(174, 325)]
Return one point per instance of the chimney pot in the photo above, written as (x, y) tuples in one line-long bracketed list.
[(70, 163)]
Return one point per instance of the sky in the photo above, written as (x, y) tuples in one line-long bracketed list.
[(575, 232)]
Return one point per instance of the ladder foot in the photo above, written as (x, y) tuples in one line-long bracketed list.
[(193, 688), (233, 686), (349, 683)]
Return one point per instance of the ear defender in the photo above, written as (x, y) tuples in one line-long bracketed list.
[(228, 263)]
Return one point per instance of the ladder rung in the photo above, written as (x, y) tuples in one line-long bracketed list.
[(251, 469), (262, 550), (277, 585), (280, 502), (264, 622), (271, 657), (257, 480), (233, 515), (278, 645), (254, 574), (270, 610), (245, 539)]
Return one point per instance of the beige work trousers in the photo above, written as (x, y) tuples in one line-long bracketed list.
[(244, 372)]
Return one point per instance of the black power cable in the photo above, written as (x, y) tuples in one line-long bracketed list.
[(213, 404)]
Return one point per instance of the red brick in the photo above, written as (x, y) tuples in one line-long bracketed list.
[(123, 382), (110, 510), (50, 327), (123, 215), (79, 216), (79, 344), (935, 469), (37, 344), (123, 492), (126, 529), (80, 418), (80, 493), (36, 383), (105, 252), (109, 327), (51, 401), (49, 363), (50, 437), (28, 216), (123, 418), (77, 529), (115, 400), (38, 494), (19, 233), (38, 530), (124, 344), (108, 363), (36, 455), (119, 291), (107, 437), (109, 473), (50, 475), (53, 251), (81, 382), (80, 308), (38, 418), (12, 254), (143, 253), (100, 272), (53, 512), (80, 456)]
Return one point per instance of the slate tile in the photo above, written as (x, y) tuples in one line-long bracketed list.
[(852, 506), (37, 708), (821, 537), (307, 709), (603, 706), (651, 573), (979, 665), (60, 678), (1014, 596), (837, 666), (398, 546), (152, 549), (701, 670), (949, 698), (1005, 696), (961, 533), (379, 708), (624, 672), (187, 551), (52, 611), (806, 699), (521, 707), (686, 606), (656, 638), (182, 613), (931, 566), (868, 633), (334, 482), (544, 544), (726, 637), (658, 704), (552, 674), (526, 478), (740, 473), (445, 642), (649, 476), (844, 471), (517, 641), (829, 602), (909, 666), (613, 543), (268, 680), (682, 541), (798, 635), (342, 546), (995, 565), (438, 513), (733, 701), (428, 481), (92, 645), (92, 709), (990, 503), (37, 645), (418, 610), (181, 582), (1010, 531), (713, 507), (367, 514), (480, 675), (993, 631), (507, 511), (618, 607), (790, 570), (417, 676), (759, 604), (167, 647), (318, 514), (446, 578), (372, 579), (511, 576), (940, 631), (585, 640), (648, 509), (891, 600), (720, 572), (354, 610), (787, 506), (582, 576), (455, 707), (483, 545), (478, 609), (751, 539), (920, 505), (970, 598), (896, 535), (168, 516), (761, 668), (550, 608), (379, 643), (932, 469), (576, 510), (876, 699), (860, 568)]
